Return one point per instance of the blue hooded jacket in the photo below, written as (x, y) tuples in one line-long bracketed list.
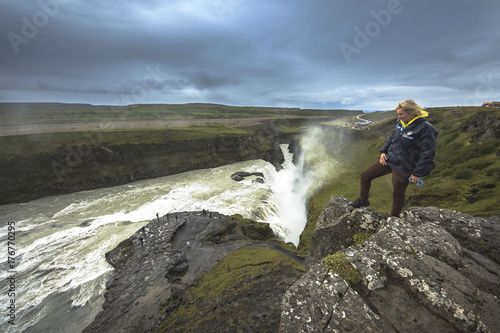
[(411, 148)]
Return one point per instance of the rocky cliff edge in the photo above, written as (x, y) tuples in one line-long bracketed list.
[(172, 276), (434, 270)]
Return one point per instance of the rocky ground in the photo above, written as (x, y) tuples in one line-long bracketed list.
[(434, 270)]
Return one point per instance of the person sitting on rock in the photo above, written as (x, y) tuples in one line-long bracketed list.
[(408, 155)]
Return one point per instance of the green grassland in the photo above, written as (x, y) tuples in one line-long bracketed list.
[(49, 113)]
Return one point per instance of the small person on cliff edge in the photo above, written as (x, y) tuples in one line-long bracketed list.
[(408, 155)]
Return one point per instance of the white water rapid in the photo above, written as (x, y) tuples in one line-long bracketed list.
[(60, 241)]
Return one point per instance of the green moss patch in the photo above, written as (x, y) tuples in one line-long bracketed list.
[(338, 264)]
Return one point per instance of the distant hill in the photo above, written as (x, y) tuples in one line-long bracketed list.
[(53, 113), (379, 116)]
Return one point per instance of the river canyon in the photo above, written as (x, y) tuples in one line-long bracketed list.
[(61, 240)]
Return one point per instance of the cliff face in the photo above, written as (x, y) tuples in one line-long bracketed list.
[(97, 164), (433, 271)]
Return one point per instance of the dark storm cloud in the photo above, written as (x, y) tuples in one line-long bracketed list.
[(322, 54)]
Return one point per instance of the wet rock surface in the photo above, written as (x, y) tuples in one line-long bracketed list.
[(433, 271), (241, 175), (139, 284)]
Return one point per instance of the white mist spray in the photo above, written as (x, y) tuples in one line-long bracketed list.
[(295, 183)]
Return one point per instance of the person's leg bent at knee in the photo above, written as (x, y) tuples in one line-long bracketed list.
[(367, 176)]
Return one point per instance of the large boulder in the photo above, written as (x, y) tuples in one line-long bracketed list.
[(477, 234), (433, 271), (241, 175), (337, 225)]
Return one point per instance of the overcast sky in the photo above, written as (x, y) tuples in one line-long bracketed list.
[(349, 54)]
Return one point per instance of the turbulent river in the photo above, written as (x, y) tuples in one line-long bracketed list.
[(60, 271)]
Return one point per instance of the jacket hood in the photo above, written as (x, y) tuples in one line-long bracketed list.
[(424, 114)]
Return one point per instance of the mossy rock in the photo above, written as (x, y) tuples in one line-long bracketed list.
[(253, 230)]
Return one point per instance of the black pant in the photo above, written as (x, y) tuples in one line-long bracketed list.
[(399, 184)]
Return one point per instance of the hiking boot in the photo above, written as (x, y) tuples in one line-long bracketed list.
[(360, 203)]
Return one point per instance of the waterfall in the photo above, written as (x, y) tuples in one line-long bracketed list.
[(291, 188), (285, 208)]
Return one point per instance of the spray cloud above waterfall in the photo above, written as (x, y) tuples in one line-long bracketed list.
[(319, 162)]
